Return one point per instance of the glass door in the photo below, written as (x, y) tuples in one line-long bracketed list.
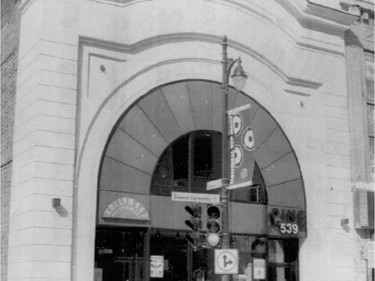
[(119, 254), (283, 260)]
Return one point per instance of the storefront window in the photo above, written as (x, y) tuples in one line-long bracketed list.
[(135, 254), (119, 254)]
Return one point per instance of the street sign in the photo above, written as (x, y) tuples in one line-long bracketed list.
[(215, 184), (196, 197), (226, 261)]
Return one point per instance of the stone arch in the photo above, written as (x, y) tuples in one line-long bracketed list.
[(169, 111)]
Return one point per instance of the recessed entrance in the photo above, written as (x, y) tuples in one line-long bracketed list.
[(170, 140)]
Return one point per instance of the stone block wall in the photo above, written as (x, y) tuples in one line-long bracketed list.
[(10, 23)]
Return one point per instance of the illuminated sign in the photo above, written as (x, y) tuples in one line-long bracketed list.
[(287, 222)]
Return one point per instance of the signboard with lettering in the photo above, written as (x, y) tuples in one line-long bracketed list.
[(98, 274), (286, 222), (126, 208), (157, 267), (215, 184), (259, 269), (196, 197)]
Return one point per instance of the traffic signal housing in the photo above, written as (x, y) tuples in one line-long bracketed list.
[(195, 212), (213, 225), (195, 224), (196, 239)]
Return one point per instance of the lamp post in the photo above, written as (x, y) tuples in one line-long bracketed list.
[(239, 79)]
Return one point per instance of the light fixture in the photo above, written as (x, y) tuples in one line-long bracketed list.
[(239, 76), (56, 202), (344, 222)]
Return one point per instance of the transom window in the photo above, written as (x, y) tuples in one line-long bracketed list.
[(194, 159)]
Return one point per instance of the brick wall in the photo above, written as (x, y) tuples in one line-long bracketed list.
[(9, 59)]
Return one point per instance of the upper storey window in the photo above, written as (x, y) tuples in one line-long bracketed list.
[(370, 106)]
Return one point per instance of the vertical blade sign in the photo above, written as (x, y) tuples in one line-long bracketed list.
[(241, 145)]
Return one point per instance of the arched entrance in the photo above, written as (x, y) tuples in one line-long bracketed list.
[(164, 142)]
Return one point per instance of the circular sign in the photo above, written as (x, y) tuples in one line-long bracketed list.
[(226, 261), (237, 156), (248, 139), (237, 123)]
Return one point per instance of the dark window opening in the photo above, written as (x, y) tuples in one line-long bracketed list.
[(283, 259), (195, 159)]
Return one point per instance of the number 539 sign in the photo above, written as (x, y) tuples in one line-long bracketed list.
[(289, 228), (287, 222)]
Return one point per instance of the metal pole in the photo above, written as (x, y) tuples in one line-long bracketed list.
[(225, 156)]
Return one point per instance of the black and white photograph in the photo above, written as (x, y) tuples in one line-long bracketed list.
[(187, 140)]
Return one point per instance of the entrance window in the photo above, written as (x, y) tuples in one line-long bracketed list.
[(283, 257), (193, 160), (119, 254)]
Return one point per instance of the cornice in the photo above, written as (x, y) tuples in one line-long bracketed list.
[(163, 39), (318, 17), (24, 5)]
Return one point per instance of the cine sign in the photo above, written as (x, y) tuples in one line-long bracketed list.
[(287, 221)]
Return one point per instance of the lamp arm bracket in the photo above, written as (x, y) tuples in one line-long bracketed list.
[(230, 63)]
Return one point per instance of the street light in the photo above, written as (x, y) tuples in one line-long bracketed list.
[(239, 79)]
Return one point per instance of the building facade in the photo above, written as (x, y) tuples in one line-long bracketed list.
[(118, 106)]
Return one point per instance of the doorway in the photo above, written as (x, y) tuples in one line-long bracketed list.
[(120, 256)]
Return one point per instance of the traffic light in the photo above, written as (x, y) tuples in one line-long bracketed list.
[(194, 223), (214, 225), (195, 238)]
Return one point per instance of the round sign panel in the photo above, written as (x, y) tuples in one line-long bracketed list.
[(237, 155), (248, 138), (237, 123), (226, 261)]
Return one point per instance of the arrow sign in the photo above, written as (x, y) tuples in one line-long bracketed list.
[(226, 261)]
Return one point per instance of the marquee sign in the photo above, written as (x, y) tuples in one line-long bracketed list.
[(241, 147), (126, 208)]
